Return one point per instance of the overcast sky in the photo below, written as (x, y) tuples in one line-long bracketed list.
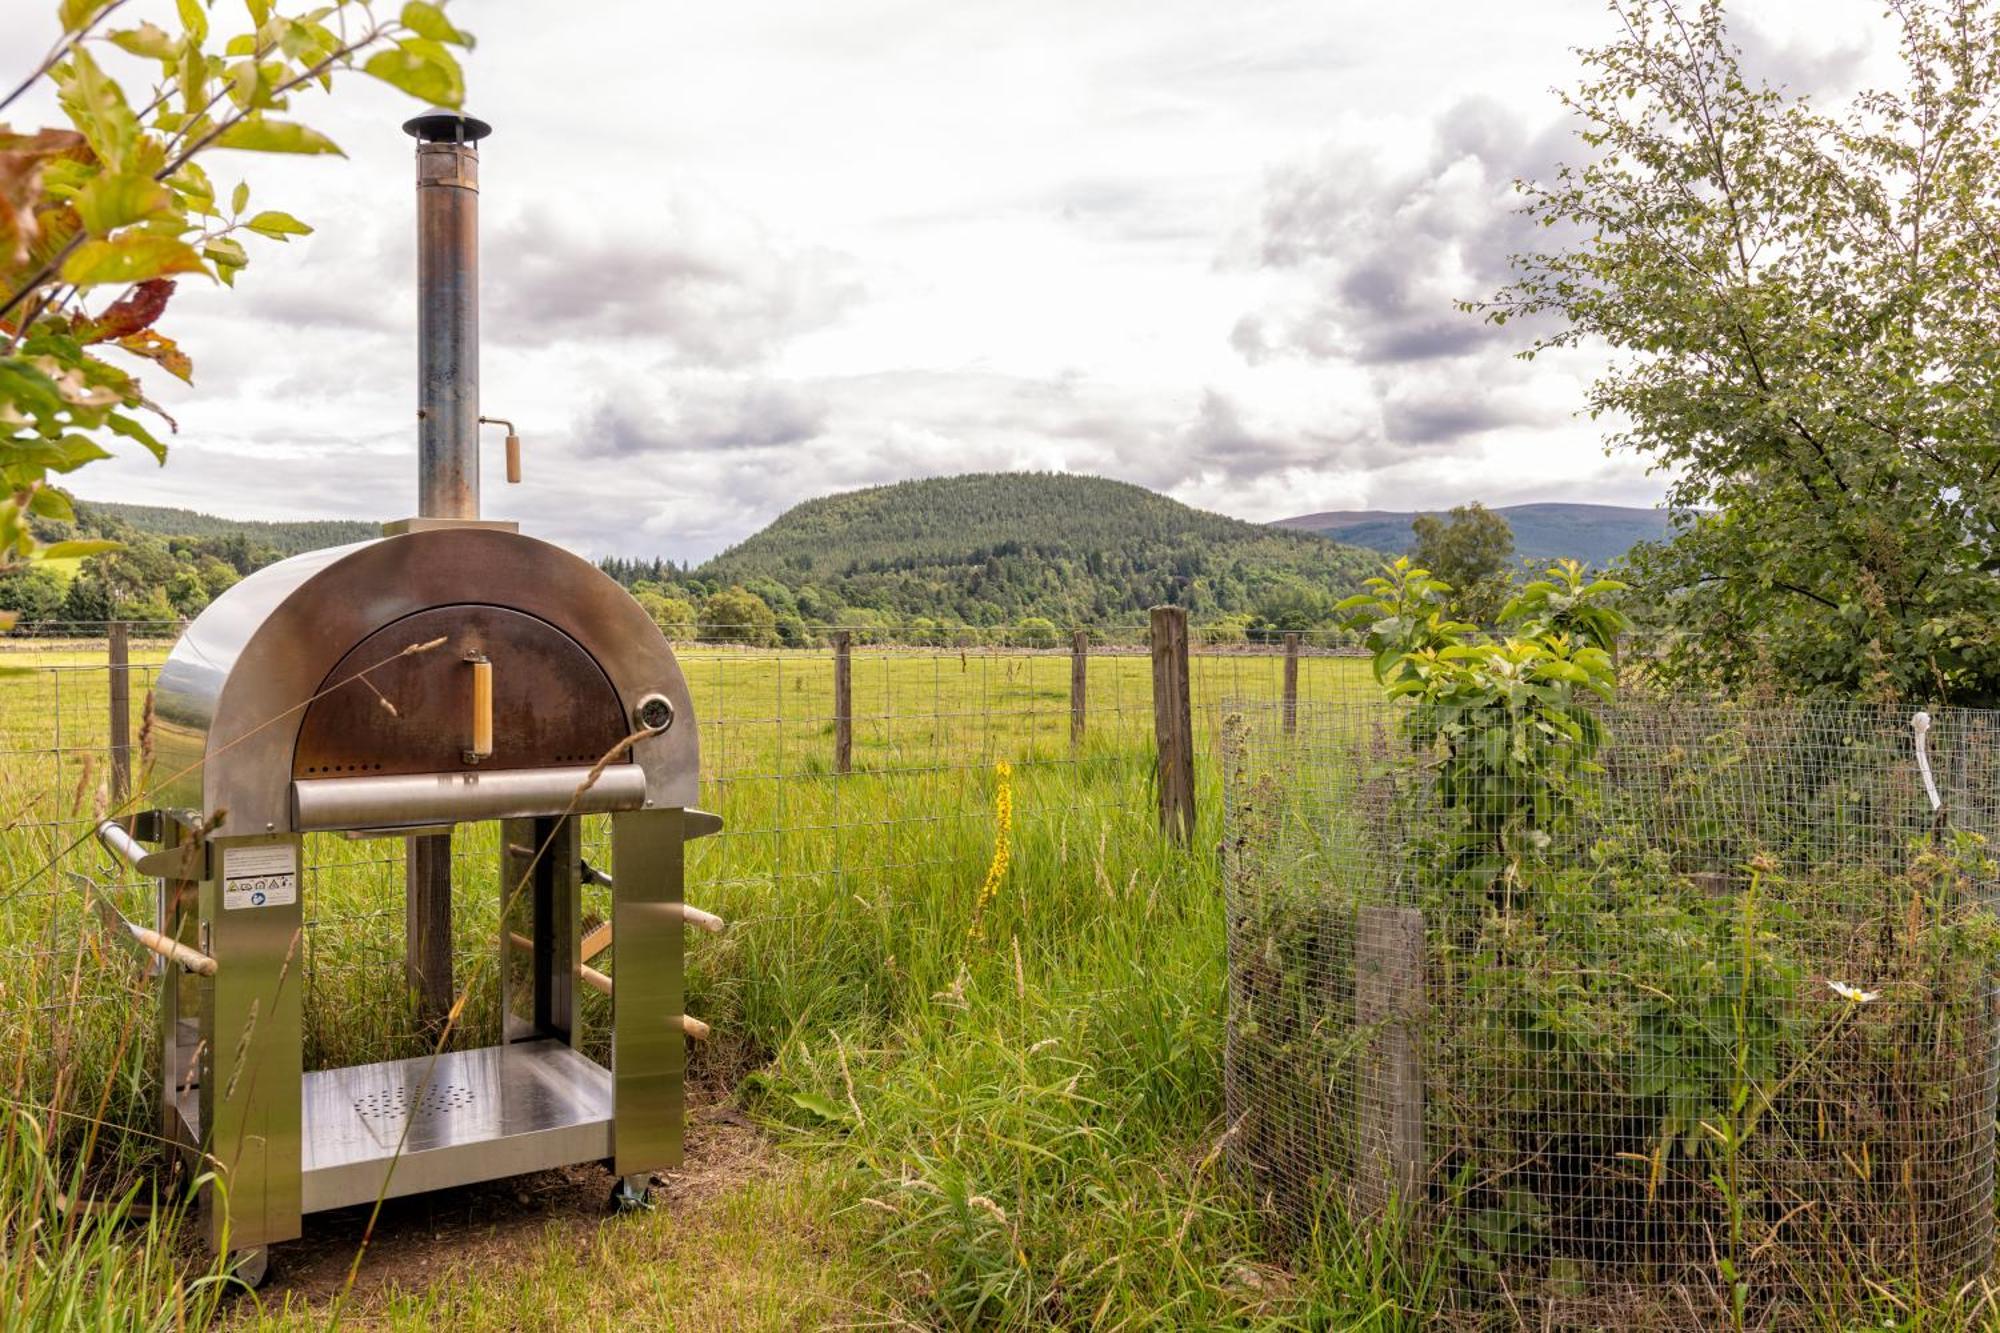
[(736, 256)]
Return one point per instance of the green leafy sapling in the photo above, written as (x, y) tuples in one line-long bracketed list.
[(1506, 720)]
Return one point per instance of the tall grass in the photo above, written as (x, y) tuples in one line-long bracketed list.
[(1033, 1122), (1015, 1127), (1028, 1123), (74, 1261)]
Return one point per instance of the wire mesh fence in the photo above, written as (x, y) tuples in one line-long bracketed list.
[(808, 831), (1698, 1030)]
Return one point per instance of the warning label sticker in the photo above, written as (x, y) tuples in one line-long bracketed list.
[(260, 876)]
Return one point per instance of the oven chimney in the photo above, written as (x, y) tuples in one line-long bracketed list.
[(447, 312)]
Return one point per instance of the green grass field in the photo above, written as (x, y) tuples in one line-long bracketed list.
[(1014, 1129), (901, 1121)]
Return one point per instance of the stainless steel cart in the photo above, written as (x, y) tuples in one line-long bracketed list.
[(452, 671)]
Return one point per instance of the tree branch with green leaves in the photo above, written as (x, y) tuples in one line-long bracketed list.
[(102, 216), (1802, 304)]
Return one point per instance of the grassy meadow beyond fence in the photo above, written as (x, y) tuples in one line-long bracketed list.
[(1002, 1091)]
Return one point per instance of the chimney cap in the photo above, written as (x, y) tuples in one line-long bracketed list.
[(440, 126)]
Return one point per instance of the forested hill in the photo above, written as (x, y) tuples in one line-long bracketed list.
[(288, 538), (169, 565), (992, 548)]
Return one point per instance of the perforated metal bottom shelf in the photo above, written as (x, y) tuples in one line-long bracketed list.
[(468, 1116)]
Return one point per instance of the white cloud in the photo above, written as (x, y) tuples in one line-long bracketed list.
[(703, 285), (739, 255)]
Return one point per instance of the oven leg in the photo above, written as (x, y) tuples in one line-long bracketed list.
[(558, 910), (648, 1048), (541, 894), (251, 1057), (175, 916), (427, 962)]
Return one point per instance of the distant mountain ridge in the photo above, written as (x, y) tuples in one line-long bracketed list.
[(286, 537), (1593, 533), (993, 547)]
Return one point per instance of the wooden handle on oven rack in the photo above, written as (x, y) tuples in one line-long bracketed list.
[(148, 939), (173, 950), (598, 938), (600, 983), (589, 976)]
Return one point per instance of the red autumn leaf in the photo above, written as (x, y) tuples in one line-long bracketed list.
[(133, 312)]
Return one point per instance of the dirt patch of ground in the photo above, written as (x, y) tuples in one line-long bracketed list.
[(416, 1241)]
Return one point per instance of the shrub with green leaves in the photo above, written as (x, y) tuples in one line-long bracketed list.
[(1507, 719), (1703, 1010)]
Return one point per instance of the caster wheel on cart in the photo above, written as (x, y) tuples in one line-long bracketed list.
[(633, 1194), (251, 1266)]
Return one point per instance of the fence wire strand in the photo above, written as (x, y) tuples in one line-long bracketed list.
[(928, 724), (1703, 1031)]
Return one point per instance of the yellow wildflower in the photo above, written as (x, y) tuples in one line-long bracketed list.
[(1003, 838)]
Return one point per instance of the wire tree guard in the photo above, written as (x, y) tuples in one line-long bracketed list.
[(1701, 1032)]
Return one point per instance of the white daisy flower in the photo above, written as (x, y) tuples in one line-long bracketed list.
[(1854, 994)]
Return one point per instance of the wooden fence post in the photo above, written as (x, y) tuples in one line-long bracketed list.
[(1291, 682), (1388, 1008), (843, 703), (118, 653), (1173, 722), (1079, 684), (427, 961)]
